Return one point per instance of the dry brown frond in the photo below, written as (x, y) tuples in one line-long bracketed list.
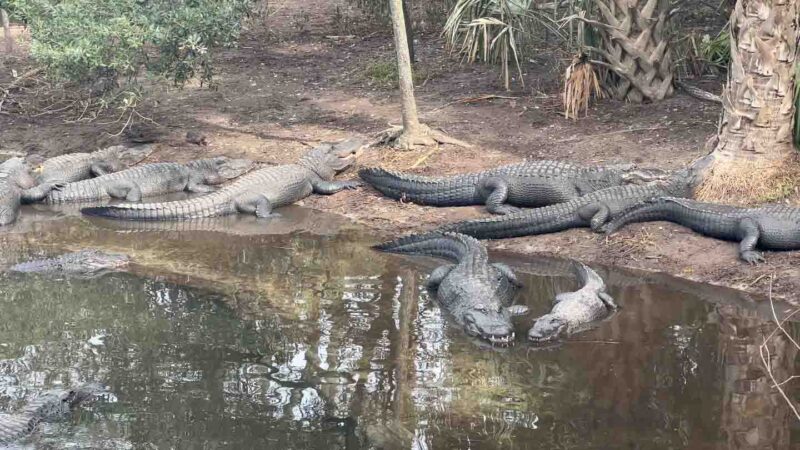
[(580, 85), (750, 182)]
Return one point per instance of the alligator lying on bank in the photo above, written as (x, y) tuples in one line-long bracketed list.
[(17, 186), (775, 227), (574, 311), (258, 192), (528, 184), (152, 179), (478, 294), (48, 406), (592, 210), (80, 166), (84, 262)]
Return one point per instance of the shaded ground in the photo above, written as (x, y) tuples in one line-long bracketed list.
[(308, 80)]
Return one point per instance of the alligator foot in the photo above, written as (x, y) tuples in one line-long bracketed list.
[(752, 257)]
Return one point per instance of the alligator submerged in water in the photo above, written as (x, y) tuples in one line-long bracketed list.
[(17, 186), (84, 262), (153, 179), (258, 192), (74, 167), (48, 406), (527, 184), (574, 311), (775, 227), (475, 292), (593, 210)]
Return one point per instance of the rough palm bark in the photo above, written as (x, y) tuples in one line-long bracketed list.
[(413, 132), (635, 46), (754, 158), (9, 40)]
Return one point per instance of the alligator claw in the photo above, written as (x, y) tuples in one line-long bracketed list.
[(352, 184), (753, 257)]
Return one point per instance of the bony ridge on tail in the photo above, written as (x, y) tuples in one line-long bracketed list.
[(258, 192), (478, 294)]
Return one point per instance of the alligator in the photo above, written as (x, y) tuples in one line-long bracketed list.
[(16, 186), (74, 167), (773, 227), (592, 210), (527, 184), (152, 179), (574, 311), (476, 293), (47, 407), (258, 192), (84, 262)]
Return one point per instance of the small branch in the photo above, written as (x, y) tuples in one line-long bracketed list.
[(764, 349)]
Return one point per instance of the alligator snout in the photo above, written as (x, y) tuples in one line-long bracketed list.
[(492, 329)]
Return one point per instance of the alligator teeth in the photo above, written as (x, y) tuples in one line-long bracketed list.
[(503, 340)]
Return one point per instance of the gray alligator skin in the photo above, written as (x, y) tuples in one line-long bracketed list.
[(775, 227), (475, 292), (528, 184), (574, 311), (84, 262), (150, 180), (593, 210), (16, 186), (48, 406), (74, 167), (258, 192)]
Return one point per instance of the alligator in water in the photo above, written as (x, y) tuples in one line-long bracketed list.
[(17, 186), (593, 210), (574, 311), (152, 179), (84, 262), (528, 184), (258, 192), (478, 294), (774, 227), (48, 406), (74, 167)]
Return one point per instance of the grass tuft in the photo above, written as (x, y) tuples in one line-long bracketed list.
[(750, 182)]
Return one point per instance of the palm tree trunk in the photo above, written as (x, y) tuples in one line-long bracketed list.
[(754, 151), (9, 40), (635, 45)]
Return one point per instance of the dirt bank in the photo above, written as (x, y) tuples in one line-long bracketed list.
[(301, 80)]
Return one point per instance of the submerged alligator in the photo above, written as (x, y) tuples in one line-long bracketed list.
[(84, 262), (774, 227), (152, 179), (17, 186), (528, 184), (258, 192), (48, 406), (477, 293), (593, 210), (574, 311), (74, 167)]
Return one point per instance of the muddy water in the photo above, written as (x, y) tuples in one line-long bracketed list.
[(239, 333)]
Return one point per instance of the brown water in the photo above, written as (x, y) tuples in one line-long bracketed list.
[(293, 334)]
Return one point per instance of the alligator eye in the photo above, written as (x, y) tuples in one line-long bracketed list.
[(480, 308)]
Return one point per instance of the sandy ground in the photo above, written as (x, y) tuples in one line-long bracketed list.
[(305, 78)]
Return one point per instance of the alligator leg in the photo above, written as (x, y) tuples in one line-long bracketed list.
[(331, 187), (38, 193), (498, 195), (508, 273), (751, 232), (198, 186), (101, 168), (125, 189), (438, 274), (596, 213), (255, 204), (607, 300)]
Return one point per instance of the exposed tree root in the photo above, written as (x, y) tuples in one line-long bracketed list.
[(749, 182), (402, 139)]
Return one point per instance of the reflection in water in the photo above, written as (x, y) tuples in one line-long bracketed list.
[(309, 340)]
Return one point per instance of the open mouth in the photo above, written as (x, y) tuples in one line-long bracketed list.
[(542, 339), (503, 340)]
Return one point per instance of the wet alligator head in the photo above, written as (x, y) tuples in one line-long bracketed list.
[(342, 155), (547, 329), (84, 393), (491, 325)]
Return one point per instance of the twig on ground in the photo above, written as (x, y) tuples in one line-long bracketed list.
[(424, 157), (128, 122)]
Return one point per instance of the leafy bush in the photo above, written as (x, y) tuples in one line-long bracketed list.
[(81, 40)]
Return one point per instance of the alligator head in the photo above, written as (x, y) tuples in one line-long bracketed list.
[(220, 169), (636, 175), (547, 328), (490, 324), (329, 159), (84, 393)]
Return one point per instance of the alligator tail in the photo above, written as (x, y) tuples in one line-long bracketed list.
[(176, 210), (548, 219), (451, 246), (460, 190)]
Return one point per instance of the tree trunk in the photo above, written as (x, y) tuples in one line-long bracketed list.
[(635, 45), (9, 40), (753, 159), (409, 30)]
